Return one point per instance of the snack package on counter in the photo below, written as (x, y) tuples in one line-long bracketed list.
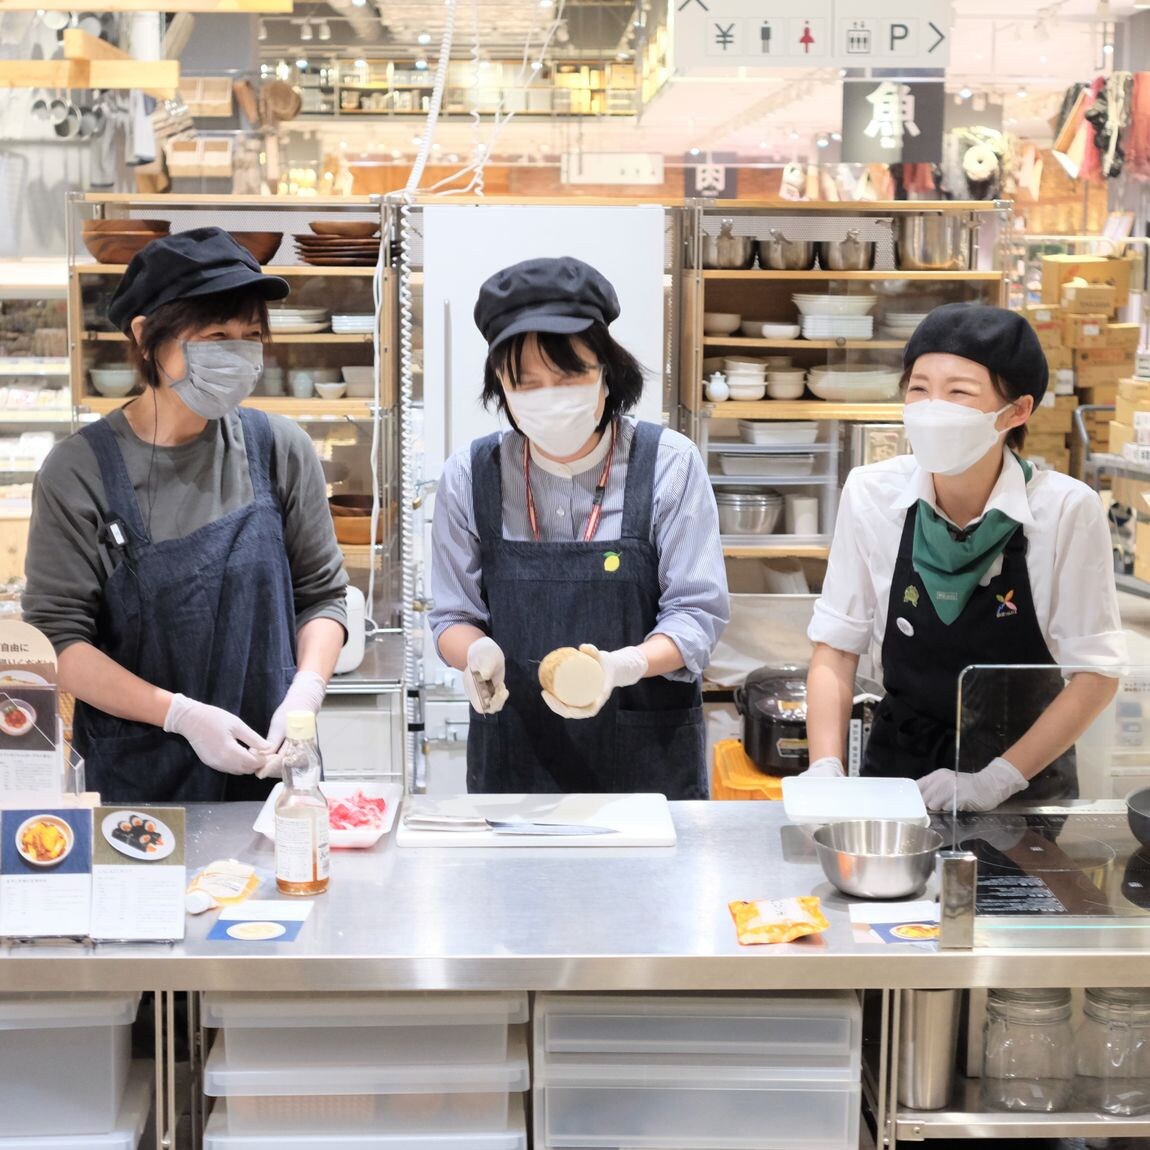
[(777, 919), (221, 883)]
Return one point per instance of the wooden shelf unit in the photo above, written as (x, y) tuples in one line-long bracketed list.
[(803, 409), (822, 275), (279, 405)]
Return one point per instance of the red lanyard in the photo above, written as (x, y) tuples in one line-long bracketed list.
[(596, 499)]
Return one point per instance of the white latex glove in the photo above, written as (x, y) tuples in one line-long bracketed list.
[(217, 736), (305, 693), (485, 658), (828, 767), (977, 791), (622, 668)]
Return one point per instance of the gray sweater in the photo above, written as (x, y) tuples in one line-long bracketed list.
[(191, 485)]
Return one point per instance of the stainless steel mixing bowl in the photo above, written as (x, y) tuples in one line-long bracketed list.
[(877, 858)]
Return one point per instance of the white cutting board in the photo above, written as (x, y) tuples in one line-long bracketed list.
[(639, 820)]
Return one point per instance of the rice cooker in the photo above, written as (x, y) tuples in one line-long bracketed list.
[(354, 647), (773, 703)]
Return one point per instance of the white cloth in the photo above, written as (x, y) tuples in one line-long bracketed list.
[(1068, 559)]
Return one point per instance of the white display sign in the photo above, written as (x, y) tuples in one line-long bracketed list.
[(846, 33)]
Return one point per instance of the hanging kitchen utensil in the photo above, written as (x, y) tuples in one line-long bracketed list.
[(57, 109), (281, 100)]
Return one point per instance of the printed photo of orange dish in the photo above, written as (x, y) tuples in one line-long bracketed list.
[(44, 840), (915, 931), (16, 718)]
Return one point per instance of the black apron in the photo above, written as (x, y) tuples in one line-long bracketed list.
[(210, 616), (914, 728), (647, 737)]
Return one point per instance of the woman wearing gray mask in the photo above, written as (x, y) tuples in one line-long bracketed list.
[(181, 557)]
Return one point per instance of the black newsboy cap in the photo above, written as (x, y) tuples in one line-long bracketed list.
[(1002, 341), (201, 261), (563, 295)]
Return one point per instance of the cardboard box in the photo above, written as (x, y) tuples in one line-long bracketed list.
[(1093, 378), (1054, 460), (1142, 550), (1120, 435), (1084, 331), (1056, 270), (1135, 390), (1124, 337), (1116, 357), (1085, 299), (1059, 358), (1126, 409), (1047, 323), (1133, 493)]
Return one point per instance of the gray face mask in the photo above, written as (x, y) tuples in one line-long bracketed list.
[(219, 375)]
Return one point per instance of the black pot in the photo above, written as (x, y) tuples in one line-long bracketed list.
[(773, 703), (1138, 815)]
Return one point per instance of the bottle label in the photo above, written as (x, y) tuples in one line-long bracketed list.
[(302, 848)]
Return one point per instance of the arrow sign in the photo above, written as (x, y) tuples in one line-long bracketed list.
[(939, 33)]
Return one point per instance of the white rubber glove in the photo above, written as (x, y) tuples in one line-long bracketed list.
[(976, 790), (305, 693), (828, 767), (217, 736), (622, 668), (485, 658)]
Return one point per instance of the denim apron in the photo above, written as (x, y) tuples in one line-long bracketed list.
[(210, 615), (914, 727), (647, 737)]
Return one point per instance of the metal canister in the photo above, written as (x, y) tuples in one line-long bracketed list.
[(927, 1046)]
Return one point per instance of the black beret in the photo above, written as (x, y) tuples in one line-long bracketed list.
[(562, 295), (202, 261), (1002, 341)]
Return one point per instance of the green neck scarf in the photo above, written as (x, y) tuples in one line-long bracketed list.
[(950, 568)]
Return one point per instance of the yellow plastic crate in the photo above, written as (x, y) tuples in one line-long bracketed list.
[(734, 776)]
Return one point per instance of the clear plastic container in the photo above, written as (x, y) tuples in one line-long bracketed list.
[(127, 1129), (512, 1137), (64, 1061), (352, 1029), (307, 1098), (814, 1031), (717, 1106), (1113, 1047), (1028, 1051)]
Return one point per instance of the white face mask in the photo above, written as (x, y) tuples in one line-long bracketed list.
[(558, 420), (949, 438), (219, 374)]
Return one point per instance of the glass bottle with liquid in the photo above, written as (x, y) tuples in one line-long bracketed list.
[(303, 837)]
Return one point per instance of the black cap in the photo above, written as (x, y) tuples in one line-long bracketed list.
[(1002, 341), (563, 295), (202, 261)]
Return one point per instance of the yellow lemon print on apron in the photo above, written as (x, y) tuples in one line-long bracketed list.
[(611, 561)]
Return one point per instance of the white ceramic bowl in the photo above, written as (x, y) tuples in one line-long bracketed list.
[(734, 362), (780, 331), (778, 362), (835, 304), (360, 380), (746, 392), (790, 389), (113, 382), (721, 322), (751, 328), (854, 385), (331, 390), (786, 374)]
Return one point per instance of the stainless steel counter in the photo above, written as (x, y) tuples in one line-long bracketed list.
[(562, 918), (381, 669)]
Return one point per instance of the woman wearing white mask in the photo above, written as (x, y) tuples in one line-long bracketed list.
[(181, 557), (964, 554), (578, 528)]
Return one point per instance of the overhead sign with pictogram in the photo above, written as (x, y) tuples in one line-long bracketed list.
[(843, 33)]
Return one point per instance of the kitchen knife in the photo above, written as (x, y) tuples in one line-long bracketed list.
[(484, 688), (500, 826)]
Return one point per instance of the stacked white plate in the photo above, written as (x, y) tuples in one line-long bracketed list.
[(838, 326), (901, 324), (834, 304), (298, 320), (353, 324), (844, 383)]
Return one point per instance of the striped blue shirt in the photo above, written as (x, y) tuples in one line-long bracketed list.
[(693, 602)]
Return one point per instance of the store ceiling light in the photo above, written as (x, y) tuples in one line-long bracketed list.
[(546, 3), (301, 64), (837, 137), (305, 32), (694, 151), (323, 31), (262, 31), (1021, 93), (536, 65), (794, 134), (421, 64), (966, 93), (424, 38), (1108, 48), (417, 141), (360, 65), (823, 140)]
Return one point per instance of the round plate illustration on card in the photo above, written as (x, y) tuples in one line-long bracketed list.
[(14, 678), (256, 931), (44, 840), (137, 835), (17, 717)]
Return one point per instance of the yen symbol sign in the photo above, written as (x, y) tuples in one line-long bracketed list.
[(725, 37)]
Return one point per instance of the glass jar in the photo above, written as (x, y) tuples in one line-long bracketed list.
[(1028, 1051), (1114, 1051)]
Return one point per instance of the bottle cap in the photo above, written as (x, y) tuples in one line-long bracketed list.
[(300, 725)]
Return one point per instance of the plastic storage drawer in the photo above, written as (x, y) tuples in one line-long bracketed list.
[(312, 1099), (822, 1032), (64, 1061), (127, 1130), (351, 1029), (718, 1107), (512, 1137)]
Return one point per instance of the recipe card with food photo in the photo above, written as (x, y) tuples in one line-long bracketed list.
[(138, 874), (29, 736), (45, 873)]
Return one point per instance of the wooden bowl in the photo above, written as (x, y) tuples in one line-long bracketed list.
[(262, 245), (157, 227), (357, 229), (117, 247), (351, 515)]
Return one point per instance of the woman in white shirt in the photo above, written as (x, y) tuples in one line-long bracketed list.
[(964, 555)]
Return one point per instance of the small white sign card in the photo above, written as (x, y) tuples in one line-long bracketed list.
[(45, 873), (30, 755), (138, 874)]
